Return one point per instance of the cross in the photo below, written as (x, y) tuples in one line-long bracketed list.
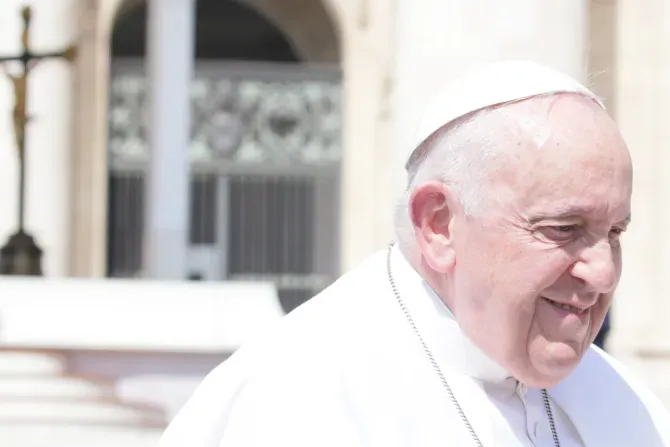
[(21, 255), (28, 60)]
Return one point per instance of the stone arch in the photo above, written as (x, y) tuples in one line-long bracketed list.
[(315, 40), (219, 26), (124, 7)]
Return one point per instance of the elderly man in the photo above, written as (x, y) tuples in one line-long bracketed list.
[(475, 329)]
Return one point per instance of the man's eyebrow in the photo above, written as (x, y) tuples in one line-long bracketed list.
[(561, 212), (568, 212)]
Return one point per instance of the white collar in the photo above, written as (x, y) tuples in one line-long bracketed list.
[(439, 328)]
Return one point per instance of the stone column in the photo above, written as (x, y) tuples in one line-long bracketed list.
[(170, 61), (367, 42), (641, 104), (48, 133), (437, 40), (629, 60), (88, 229), (661, 302), (643, 108)]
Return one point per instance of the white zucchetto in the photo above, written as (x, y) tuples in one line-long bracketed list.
[(492, 85)]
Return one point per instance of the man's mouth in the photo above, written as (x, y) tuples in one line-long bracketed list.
[(569, 308)]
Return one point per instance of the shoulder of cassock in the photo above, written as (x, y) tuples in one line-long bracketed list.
[(338, 370), (289, 387), (613, 405)]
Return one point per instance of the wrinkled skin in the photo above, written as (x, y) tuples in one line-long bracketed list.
[(550, 226)]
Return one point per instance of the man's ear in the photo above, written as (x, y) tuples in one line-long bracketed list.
[(431, 209)]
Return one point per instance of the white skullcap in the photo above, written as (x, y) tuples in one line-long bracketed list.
[(492, 85)]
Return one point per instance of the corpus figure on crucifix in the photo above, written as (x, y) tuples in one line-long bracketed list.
[(19, 114)]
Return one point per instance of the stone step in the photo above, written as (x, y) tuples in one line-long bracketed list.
[(30, 363), (42, 435), (104, 412), (41, 404), (53, 387)]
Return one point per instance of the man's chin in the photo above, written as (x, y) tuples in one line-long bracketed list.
[(565, 354), (546, 377), (555, 363)]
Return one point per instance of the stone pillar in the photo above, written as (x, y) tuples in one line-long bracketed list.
[(641, 92), (642, 311), (437, 40), (661, 304), (88, 230), (48, 133), (631, 48), (170, 60), (602, 55), (367, 43)]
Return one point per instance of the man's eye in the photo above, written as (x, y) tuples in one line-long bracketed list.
[(564, 228), (560, 233)]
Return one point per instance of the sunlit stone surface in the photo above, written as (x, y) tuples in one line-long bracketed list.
[(40, 405)]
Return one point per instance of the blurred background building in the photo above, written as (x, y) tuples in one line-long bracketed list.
[(204, 166)]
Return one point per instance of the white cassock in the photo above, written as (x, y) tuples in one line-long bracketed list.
[(346, 369)]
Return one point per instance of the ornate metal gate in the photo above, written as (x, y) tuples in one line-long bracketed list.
[(265, 158)]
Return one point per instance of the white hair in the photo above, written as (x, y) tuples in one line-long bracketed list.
[(463, 155)]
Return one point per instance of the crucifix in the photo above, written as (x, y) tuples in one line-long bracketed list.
[(21, 254)]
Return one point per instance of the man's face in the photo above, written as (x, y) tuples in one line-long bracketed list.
[(536, 267)]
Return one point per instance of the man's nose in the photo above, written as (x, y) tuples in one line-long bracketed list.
[(597, 268)]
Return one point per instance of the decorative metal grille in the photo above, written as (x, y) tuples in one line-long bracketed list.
[(265, 155), (240, 115)]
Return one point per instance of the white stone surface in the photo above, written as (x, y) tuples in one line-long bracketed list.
[(134, 315), (662, 307), (641, 333), (44, 435), (34, 364), (51, 386), (638, 96), (367, 41), (39, 406), (47, 410)]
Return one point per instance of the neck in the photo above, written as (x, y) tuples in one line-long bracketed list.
[(419, 288), (435, 280)]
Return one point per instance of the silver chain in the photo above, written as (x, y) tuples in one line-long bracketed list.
[(429, 354)]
